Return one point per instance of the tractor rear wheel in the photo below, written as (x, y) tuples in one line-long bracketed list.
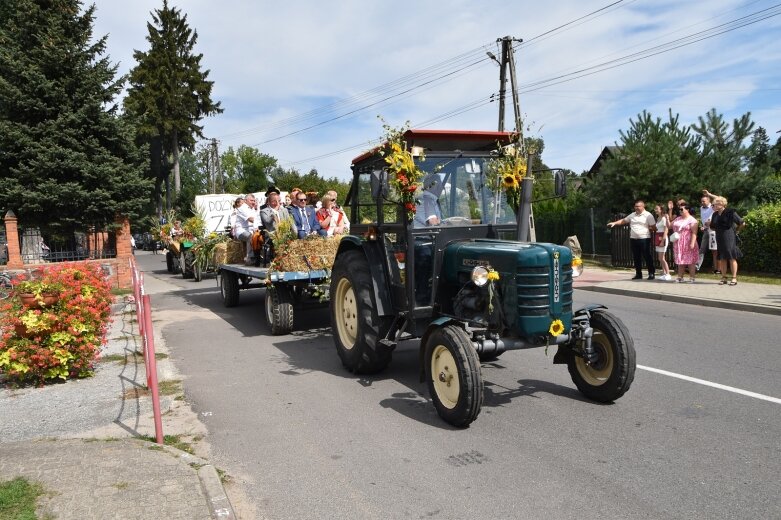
[(356, 326)]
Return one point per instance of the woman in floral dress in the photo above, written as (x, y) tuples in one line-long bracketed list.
[(685, 249)]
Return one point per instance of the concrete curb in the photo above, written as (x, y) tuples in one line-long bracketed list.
[(674, 298), (216, 498)]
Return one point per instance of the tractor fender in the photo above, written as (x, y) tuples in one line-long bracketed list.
[(374, 257), (434, 325)]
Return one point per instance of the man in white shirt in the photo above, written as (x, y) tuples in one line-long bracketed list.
[(641, 224), (708, 240), (245, 225)]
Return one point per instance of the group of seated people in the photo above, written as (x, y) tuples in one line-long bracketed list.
[(252, 223)]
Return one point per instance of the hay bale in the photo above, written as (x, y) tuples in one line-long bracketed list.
[(236, 251), (309, 253), (220, 254)]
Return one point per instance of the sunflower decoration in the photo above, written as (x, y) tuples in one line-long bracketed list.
[(556, 328), (493, 276), (403, 174), (507, 170)]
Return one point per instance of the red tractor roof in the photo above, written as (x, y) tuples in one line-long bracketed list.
[(448, 141)]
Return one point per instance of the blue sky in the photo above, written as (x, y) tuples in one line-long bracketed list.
[(278, 66)]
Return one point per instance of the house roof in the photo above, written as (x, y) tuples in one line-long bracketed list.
[(607, 152)]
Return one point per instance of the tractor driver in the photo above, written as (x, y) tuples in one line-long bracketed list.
[(428, 212)]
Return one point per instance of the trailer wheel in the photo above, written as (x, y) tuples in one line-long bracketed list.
[(356, 327), (612, 374), (279, 310), (453, 374), (229, 288), (197, 273)]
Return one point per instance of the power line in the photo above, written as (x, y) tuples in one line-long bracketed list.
[(440, 71), (712, 32)]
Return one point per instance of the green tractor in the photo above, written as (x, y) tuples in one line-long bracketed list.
[(468, 283)]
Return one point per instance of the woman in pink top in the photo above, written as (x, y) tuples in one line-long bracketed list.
[(685, 248)]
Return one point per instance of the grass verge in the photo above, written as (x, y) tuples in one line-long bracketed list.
[(17, 499), (174, 441)]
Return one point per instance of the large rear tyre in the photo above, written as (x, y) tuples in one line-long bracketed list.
[(356, 327), (453, 375), (186, 260), (229, 288), (279, 310), (612, 374)]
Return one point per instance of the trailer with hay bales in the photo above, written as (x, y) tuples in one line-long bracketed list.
[(295, 274)]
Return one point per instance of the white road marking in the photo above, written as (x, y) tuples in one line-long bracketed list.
[(714, 385)]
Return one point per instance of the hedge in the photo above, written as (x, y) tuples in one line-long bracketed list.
[(761, 239)]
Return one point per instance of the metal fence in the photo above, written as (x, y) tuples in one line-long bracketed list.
[(596, 239), (38, 247), (3, 244), (589, 225)]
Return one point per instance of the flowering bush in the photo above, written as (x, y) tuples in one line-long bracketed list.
[(403, 175), (61, 340), (507, 170)]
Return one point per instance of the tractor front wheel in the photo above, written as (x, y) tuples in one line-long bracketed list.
[(453, 375), (611, 375)]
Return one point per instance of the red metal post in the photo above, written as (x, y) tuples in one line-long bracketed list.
[(151, 367)]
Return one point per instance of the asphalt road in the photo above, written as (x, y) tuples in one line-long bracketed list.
[(310, 440)]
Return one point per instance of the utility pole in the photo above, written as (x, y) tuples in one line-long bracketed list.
[(526, 212), (508, 61)]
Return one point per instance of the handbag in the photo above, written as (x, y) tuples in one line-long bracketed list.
[(674, 237), (659, 239)]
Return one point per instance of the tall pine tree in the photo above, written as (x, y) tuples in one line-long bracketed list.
[(67, 160), (169, 95)]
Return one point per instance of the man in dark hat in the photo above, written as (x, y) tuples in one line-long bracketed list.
[(269, 190)]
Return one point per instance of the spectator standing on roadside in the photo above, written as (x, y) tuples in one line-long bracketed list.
[(708, 240), (726, 223), (685, 247), (661, 241), (641, 223)]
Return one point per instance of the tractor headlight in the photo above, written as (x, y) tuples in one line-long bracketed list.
[(480, 276), (577, 266)]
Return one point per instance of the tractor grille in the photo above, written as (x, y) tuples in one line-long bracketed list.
[(535, 293)]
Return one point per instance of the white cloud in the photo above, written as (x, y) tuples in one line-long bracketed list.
[(271, 61)]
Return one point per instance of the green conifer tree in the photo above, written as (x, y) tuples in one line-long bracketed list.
[(67, 160), (169, 94)]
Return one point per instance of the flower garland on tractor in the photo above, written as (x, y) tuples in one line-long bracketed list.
[(507, 170), (403, 174)]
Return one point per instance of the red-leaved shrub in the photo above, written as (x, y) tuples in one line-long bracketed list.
[(61, 340)]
